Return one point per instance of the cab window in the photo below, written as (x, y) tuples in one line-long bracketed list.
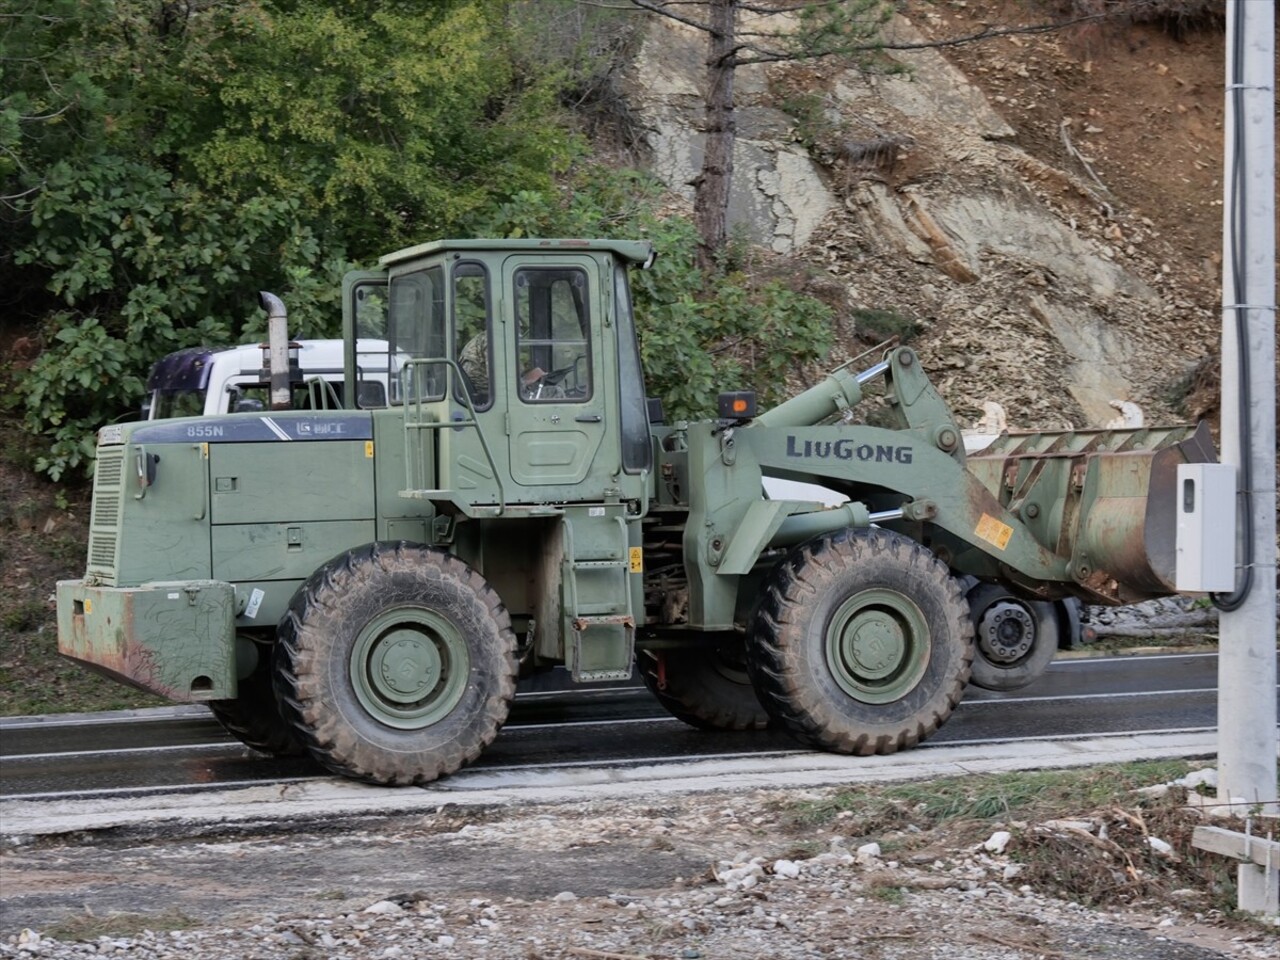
[(416, 332), (553, 341), (637, 451), (473, 349)]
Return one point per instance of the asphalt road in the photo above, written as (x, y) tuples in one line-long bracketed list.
[(185, 749)]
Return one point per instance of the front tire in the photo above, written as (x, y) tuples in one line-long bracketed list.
[(396, 664), (863, 643)]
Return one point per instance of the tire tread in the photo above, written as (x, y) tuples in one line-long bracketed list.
[(798, 705)]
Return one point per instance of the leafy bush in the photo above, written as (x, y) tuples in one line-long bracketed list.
[(160, 163), (1176, 16)]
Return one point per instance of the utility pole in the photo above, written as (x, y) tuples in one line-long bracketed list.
[(1247, 629)]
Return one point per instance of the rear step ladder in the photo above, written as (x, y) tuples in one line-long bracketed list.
[(600, 641)]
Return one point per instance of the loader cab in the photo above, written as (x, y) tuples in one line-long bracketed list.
[(520, 377)]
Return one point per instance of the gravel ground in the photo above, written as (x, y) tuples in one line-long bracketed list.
[(701, 876)]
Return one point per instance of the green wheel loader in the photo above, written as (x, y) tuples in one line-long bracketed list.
[(366, 585)]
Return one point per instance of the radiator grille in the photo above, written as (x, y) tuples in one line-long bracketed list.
[(110, 466), (104, 523), (102, 554)]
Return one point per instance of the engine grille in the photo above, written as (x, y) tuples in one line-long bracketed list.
[(104, 523)]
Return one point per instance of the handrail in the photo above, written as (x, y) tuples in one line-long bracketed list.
[(420, 424), (319, 392), (202, 455), (626, 561)]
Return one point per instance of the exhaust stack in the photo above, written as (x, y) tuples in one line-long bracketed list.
[(278, 349)]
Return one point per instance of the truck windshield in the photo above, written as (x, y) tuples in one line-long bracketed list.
[(163, 404)]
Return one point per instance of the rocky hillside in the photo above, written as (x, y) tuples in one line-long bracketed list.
[(1044, 209)]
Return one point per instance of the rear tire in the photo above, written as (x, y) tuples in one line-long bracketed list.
[(707, 688), (396, 664), (254, 717), (862, 644)]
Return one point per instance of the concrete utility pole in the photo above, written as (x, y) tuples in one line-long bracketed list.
[(1247, 646)]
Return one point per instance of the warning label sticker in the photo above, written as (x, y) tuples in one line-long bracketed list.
[(637, 559), (994, 532)]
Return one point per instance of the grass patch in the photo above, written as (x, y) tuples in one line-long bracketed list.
[(35, 680), (803, 850), (90, 927), (872, 810), (1114, 643), (24, 616), (886, 890)]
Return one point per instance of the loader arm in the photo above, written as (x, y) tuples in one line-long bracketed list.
[(1088, 513), (901, 470)]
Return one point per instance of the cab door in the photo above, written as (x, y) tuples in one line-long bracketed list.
[(557, 406)]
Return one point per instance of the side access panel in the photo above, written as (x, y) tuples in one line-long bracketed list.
[(167, 535), (291, 482), (281, 510)]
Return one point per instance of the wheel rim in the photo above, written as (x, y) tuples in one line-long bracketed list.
[(1006, 632), (409, 668), (877, 646)]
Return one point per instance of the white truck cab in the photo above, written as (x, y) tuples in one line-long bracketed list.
[(203, 382)]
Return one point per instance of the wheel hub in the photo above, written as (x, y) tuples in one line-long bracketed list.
[(877, 646), (1006, 632), (409, 668), (403, 665)]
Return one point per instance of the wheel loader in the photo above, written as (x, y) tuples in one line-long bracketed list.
[(366, 585)]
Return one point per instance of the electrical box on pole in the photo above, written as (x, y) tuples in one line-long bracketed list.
[(1206, 531)]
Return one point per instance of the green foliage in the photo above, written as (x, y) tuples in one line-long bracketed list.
[(394, 121), (814, 128), (699, 335), (186, 255), (23, 617), (160, 163), (587, 45)]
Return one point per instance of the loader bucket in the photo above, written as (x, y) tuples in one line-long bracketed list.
[(1104, 500)]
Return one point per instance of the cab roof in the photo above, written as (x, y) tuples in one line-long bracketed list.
[(634, 251)]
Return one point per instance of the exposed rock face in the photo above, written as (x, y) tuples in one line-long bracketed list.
[(779, 195), (1035, 287)]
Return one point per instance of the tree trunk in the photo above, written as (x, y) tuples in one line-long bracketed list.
[(711, 189)]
